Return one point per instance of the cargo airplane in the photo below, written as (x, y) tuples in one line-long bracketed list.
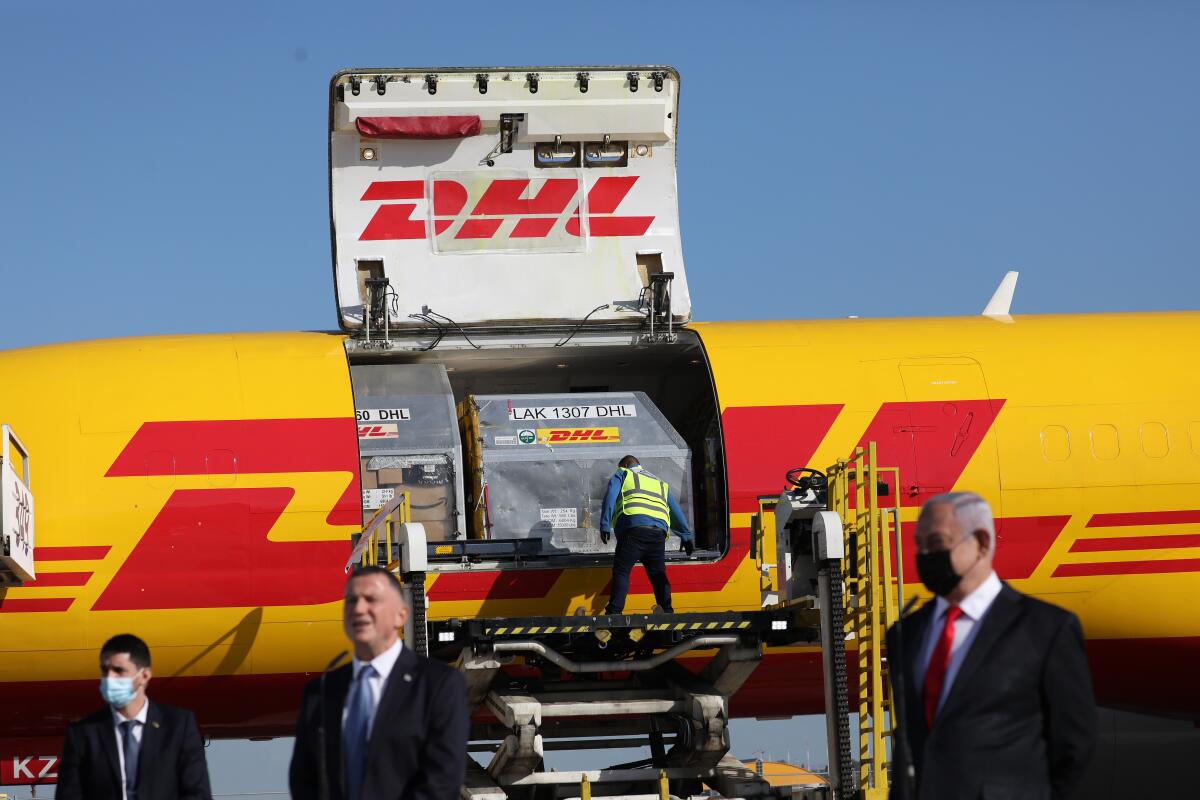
[(517, 230)]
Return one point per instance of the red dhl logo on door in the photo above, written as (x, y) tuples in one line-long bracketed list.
[(505, 199), (577, 435)]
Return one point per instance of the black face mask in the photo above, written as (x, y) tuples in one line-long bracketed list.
[(936, 571)]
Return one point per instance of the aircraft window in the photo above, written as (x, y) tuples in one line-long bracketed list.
[(1056, 443), (1106, 444), (1155, 443)]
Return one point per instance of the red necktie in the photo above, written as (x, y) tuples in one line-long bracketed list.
[(935, 674)]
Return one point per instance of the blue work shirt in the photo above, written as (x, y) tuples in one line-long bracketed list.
[(678, 521)]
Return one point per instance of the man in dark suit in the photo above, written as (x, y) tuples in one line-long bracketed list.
[(997, 694), (391, 724), (132, 749)]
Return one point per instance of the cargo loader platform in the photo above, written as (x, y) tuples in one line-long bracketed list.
[(595, 682), (538, 684)]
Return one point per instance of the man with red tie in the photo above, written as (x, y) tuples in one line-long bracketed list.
[(998, 698)]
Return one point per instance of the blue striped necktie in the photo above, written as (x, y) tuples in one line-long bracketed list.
[(360, 709), (133, 749)]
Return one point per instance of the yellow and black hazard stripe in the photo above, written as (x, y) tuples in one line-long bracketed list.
[(699, 626), (527, 630)]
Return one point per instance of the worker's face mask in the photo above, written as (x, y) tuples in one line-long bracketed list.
[(117, 692), (937, 570)]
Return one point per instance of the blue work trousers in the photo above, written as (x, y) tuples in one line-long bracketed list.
[(648, 545)]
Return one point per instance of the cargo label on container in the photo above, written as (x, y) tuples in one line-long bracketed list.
[(377, 498), (578, 435), (611, 411), (383, 415), (560, 517), (524, 436)]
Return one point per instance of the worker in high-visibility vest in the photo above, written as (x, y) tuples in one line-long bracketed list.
[(642, 510)]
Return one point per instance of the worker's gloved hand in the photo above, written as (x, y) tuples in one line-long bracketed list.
[(605, 536), (689, 546)]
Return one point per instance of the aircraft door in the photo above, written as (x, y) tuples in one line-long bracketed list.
[(949, 416)]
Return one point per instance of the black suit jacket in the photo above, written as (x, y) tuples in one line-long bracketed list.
[(1019, 721), (170, 764), (418, 744)]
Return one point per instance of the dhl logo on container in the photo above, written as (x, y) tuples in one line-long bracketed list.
[(577, 435), (384, 431)]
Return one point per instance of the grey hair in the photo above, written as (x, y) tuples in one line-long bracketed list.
[(972, 512)]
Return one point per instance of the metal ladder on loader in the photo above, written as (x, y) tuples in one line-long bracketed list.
[(838, 548)]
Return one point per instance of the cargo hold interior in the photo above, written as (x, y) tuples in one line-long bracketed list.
[(674, 377)]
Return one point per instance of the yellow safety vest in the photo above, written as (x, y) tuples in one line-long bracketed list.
[(642, 493)]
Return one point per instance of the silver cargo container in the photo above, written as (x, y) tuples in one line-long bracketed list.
[(408, 440), (539, 464)]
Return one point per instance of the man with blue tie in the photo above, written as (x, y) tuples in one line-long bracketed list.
[(391, 724), (998, 697), (132, 749)]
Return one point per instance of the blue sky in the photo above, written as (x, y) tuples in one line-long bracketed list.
[(164, 165)]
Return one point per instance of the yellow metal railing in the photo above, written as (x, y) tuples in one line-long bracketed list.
[(872, 602), (382, 529)]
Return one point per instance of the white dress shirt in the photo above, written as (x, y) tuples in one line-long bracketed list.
[(974, 607), (118, 718), (383, 664)]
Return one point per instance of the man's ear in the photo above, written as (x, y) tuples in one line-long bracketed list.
[(985, 539)]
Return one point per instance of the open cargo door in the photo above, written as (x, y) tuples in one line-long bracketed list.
[(505, 197)]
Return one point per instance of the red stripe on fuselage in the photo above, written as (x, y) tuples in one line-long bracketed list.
[(1154, 567), (1136, 543), (1143, 518), (763, 442), (1022, 543), (494, 585), (14, 605), (84, 553), (60, 579)]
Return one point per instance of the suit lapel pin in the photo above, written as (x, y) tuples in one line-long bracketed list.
[(408, 677), (154, 724)]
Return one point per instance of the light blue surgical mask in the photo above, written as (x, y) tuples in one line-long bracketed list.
[(117, 692)]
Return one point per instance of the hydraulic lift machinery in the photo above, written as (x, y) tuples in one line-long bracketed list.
[(617, 681)]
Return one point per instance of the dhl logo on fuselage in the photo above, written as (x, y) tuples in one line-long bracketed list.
[(578, 435), (225, 533)]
